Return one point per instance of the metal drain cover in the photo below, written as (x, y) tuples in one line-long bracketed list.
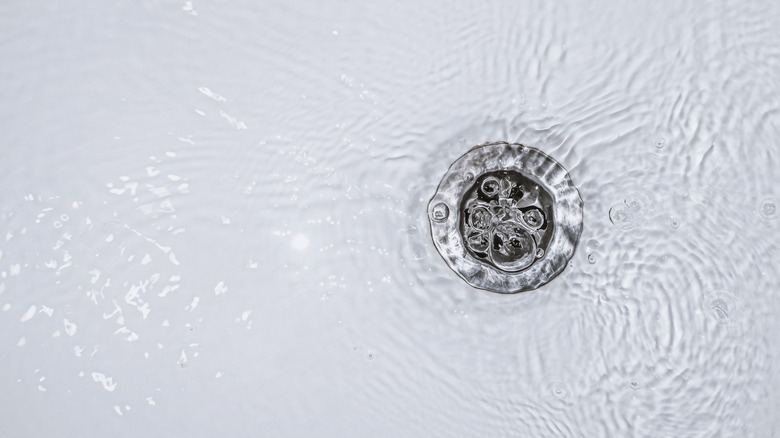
[(506, 217)]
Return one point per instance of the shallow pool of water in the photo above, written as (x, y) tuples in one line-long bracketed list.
[(213, 219)]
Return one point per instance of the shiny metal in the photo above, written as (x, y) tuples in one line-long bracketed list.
[(506, 217)]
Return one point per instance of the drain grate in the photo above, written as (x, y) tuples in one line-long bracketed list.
[(506, 217)]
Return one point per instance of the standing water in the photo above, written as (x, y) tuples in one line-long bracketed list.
[(213, 219)]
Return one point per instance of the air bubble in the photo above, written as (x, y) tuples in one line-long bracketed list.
[(722, 306), (591, 258), (512, 247), (440, 212), (534, 218), (478, 243), (638, 203), (659, 143), (720, 309), (622, 217), (490, 187), (634, 384), (768, 209), (674, 222), (558, 389), (480, 218)]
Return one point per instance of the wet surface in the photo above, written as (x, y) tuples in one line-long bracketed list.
[(215, 219)]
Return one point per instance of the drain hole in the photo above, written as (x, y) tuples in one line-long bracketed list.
[(501, 210), (511, 211)]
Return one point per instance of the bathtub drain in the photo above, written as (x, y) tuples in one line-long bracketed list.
[(506, 217)]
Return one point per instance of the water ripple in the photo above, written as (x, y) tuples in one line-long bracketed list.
[(222, 208)]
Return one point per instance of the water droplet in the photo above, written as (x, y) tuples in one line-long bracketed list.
[(659, 143), (440, 212), (622, 217), (768, 209), (591, 258), (674, 222)]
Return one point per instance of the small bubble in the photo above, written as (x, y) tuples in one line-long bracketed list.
[(591, 258), (490, 186), (659, 143), (592, 244), (722, 306), (674, 222), (468, 176), (440, 212), (768, 209), (639, 203), (720, 310), (622, 217), (370, 356), (634, 384), (559, 390), (534, 218)]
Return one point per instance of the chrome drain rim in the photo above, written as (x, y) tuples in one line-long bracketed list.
[(506, 217)]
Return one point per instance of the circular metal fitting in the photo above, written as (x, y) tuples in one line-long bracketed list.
[(506, 217)]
